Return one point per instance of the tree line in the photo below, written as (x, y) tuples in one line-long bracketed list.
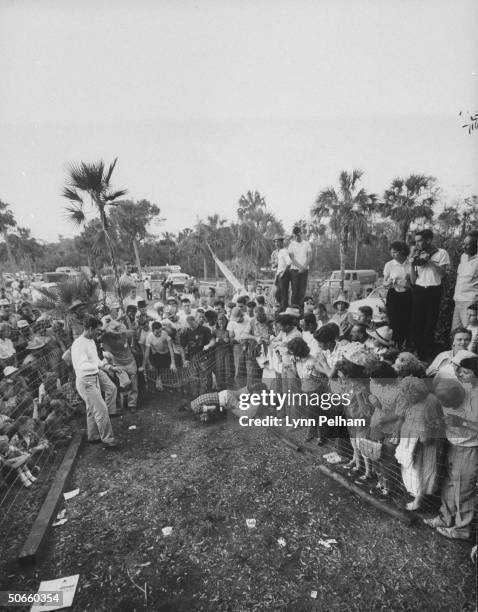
[(348, 227)]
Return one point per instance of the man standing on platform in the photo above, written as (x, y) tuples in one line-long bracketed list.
[(466, 288), (282, 278), (300, 253)]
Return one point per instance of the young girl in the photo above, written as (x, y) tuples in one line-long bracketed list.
[(311, 382), (341, 317)]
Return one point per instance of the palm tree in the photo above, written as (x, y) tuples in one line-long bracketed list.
[(409, 200), (57, 300), (7, 221), (131, 220), (94, 180), (346, 208), (255, 229)]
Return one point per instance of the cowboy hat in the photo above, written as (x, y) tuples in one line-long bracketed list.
[(340, 298), (9, 370), (383, 334), (37, 342), (75, 304), (290, 312)]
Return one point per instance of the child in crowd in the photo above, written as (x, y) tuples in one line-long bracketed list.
[(341, 316)]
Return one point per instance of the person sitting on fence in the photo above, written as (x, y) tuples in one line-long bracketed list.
[(13, 458), (29, 435), (15, 394)]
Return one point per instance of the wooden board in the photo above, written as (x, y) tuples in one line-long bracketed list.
[(37, 536)]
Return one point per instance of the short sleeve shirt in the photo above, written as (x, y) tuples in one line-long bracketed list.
[(428, 276)]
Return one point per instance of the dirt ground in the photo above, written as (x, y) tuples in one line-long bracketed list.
[(204, 481)]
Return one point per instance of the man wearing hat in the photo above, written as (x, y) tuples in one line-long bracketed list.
[(341, 318), (300, 253), (282, 278)]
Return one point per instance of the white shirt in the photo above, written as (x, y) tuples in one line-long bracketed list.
[(239, 329), (428, 276), (474, 332), (147, 284), (182, 317), (442, 366), (283, 260), (84, 357), (466, 288), (396, 273), (463, 436), (300, 251)]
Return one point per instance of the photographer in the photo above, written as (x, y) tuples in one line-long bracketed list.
[(429, 266)]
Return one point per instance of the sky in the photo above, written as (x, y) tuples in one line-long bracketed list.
[(202, 101)]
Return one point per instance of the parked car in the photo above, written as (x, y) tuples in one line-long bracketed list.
[(376, 300), (356, 283)]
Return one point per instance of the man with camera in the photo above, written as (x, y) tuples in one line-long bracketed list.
[(429, 266)]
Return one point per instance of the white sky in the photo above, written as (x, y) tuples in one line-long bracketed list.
[(202, 101)]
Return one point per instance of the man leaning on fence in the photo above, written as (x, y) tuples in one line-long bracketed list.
[(87, 366)]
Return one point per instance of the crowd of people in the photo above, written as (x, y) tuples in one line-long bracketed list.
[(420, 409)]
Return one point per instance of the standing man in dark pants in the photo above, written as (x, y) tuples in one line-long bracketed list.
[(282, 279), (300, 253), (429, 266)]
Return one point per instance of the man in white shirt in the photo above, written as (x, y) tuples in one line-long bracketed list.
[(429, 266), (300, 253), (282, 279), (466, 288), (87, 366)]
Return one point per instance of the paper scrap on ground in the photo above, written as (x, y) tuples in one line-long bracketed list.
[(144, 564), (281, 542), (313, 594), (173, 456), (66, 585), (132, 427), (71, 494), (251, 523), (327, 543), (61, 514), (167, 530), (102, 493), (333, 457), (59, 522)]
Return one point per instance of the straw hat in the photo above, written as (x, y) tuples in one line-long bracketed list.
[(37, 342), (340, 298), (383, 334), (290, 312), (22, 324), (4, 302)]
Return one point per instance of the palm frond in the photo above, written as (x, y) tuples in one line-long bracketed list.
[(107, 177), (75, 214), (114, 195), (72, 194)]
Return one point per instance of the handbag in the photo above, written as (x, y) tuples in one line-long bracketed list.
[(370, 449)]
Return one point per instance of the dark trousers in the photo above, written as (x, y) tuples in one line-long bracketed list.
[(149, 295), (399, 310), (282, 295), (425, 309), (299, 287)]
